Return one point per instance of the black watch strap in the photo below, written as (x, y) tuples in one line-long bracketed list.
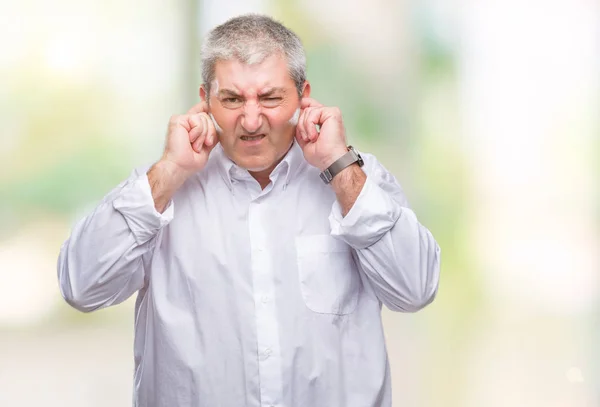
[(351, 157)]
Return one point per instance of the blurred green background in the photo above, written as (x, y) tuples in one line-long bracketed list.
[(486, 112)]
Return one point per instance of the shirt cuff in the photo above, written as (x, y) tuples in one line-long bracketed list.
[(136, 204), (372, 215)]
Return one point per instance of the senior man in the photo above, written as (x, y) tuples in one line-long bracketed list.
[(260, 245)]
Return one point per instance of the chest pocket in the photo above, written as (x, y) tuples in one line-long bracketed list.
[(328, 275)]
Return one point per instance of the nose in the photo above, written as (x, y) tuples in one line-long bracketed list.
[(252, 117)]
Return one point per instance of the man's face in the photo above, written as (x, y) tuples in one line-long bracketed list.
[(255, 107)]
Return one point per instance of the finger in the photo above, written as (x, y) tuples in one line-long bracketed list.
[(201, 107), (210, 142), (319, 119), (302, 124), (179, 120), (197, 146), (196, 125), (202, 137), (304, 130), (211, 133), (309, 102), (299, 138), (194, 119), (209, 136), (307, 123), (309, 127), (312, 120), (195, 134), (210, 129)]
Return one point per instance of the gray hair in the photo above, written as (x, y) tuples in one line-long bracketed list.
[(250, 39)]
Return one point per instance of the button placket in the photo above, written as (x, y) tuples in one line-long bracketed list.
[(267, 332)]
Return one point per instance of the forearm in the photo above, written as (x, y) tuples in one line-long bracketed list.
[(347, 186)]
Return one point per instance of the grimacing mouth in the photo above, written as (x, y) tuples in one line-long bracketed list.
[(250, 137)]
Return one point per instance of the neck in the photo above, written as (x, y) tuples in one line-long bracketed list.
[(263, 176)]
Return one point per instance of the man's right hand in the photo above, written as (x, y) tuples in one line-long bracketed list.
[(190, 139)]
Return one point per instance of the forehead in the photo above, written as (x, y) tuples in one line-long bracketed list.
[(235, 75)]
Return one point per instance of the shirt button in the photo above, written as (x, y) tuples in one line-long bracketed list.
[(265, 299), (267, 352)]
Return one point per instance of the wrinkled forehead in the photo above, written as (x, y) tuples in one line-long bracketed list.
[(272, 72)]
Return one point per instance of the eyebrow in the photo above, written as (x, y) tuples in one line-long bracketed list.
[(267, 93), (228, 92), (271, 91)]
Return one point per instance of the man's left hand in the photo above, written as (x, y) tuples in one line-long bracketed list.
[(324, 146)]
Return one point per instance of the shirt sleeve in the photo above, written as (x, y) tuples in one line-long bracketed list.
[(101, 263), (373, 214), (136, 204), (397, 254)]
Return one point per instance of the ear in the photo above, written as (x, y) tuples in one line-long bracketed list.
[(306, 90), (203, 94)]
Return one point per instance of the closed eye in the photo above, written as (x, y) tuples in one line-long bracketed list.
[(271, 101)]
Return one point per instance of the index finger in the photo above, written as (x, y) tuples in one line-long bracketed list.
[(201, 107), (308, 102)]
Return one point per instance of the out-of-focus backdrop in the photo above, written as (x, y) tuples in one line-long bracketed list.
[(487, 112)]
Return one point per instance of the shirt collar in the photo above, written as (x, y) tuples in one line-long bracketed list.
[(286, 170)]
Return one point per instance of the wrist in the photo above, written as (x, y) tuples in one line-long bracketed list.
[(165, 178), (333, 157), (347, 186), (349, 175), (170, 172)]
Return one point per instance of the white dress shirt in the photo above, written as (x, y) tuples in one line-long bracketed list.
[(250, 297)]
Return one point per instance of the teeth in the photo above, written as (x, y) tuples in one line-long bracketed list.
[(252, 138)]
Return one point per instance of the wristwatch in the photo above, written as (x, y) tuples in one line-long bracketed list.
[(351, 157)]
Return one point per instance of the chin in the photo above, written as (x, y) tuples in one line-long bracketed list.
[(258, 163), (257, 167)]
